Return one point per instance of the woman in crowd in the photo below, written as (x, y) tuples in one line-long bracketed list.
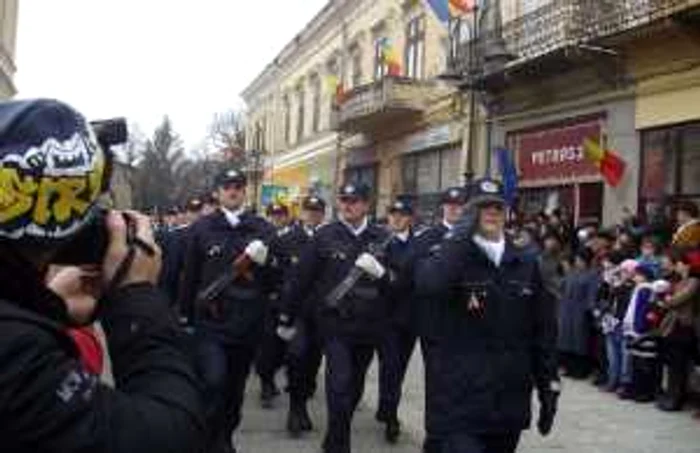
[(580, 290)]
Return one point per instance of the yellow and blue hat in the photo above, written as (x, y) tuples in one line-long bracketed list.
[(52, 170)]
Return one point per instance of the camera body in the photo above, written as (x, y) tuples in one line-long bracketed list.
[(89, 245)]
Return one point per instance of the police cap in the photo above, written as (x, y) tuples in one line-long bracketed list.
[(453, 195), (354, 191), (313, 203), (231, 176), (401, 205)]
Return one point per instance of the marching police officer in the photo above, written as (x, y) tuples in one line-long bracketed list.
[(304, 350), (344, 271), (497, 334), (231, 242), (272, 348), (425, 242), (397, 347)]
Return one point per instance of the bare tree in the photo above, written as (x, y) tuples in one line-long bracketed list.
[(227, 136)]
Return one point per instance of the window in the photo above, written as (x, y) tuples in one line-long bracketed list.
[(300, 112), (287, 119), (415, 47), (355, 67), (380, 68), (670, 163), (431, 171), (316, 118)]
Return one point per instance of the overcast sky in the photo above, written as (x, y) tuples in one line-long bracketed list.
[(146, 58)]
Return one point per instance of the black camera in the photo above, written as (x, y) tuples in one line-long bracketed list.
[(89, 245)]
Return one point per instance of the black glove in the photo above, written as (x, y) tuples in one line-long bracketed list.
[(548, 410)]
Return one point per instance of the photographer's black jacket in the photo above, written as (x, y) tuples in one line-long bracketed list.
[(49, 402), (213, 245)]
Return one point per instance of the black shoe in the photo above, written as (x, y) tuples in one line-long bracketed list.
[(268, 393), (668, 404), (392, 430), (298, 421)]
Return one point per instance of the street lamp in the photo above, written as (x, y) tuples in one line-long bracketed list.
[(256, 155), (485, 55)]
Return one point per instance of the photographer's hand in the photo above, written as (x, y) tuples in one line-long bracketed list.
[(144, 267), (79, 287)]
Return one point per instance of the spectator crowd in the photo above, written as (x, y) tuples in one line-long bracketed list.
[(628, 300)]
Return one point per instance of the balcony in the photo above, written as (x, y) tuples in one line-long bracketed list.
[(368, 108), (568, 27)]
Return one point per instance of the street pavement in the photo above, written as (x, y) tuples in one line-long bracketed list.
[(590, 421)]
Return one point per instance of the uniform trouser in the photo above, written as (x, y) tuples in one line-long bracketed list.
[(432, 442), (346, 367), (224, 369), (303, 362), (394, 354), (481, 443), (271, 354)]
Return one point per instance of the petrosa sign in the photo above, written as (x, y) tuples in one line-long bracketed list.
[(555, 151)]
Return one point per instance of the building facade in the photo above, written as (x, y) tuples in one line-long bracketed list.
[(622, 72), (398, 131), (8, 36)]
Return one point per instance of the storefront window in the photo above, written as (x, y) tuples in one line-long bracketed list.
[(670, 164)]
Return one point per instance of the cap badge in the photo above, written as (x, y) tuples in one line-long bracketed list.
[(489, 187)]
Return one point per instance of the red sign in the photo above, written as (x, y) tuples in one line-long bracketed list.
[(555, 152)]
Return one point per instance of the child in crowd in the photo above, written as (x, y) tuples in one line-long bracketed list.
[(619, 280), (641, 347), (649, 255)]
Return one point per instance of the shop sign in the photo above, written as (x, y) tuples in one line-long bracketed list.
[(427, 138), (555, 152)]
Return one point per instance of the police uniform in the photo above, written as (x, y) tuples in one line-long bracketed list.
[(351, 329), (304, 351), (497, 337), (426, 242), (272, 350), (228, 328), (49, 400), (397, 346)]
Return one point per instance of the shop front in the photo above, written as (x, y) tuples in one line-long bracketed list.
[(430, 163), (553, 170)]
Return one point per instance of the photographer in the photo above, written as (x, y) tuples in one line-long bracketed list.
[(52, 171)]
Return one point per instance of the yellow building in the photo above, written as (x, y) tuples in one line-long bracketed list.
[(398, 132), (8, 34)]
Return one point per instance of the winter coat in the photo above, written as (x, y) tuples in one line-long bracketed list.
[(580, 291)]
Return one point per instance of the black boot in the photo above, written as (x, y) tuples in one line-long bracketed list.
[(392, 430), (268, 393), (672, 399), (298, 420)]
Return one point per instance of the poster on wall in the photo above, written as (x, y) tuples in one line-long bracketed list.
[(271, 193)]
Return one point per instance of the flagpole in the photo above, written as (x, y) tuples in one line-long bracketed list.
[(339, 134)]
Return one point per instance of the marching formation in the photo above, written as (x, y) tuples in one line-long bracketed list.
[(282, 293)]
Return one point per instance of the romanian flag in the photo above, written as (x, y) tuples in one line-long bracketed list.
[(335, 86), (390, 57), (445, 9), (611, 166)]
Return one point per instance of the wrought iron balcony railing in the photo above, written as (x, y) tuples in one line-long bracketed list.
[(564, 23)]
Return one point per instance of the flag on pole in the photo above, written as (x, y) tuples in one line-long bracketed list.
[(445, 9), (610, 165), (509, 174), (390, 57), (335, 87)]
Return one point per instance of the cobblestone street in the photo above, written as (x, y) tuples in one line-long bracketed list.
[(589, 422)]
